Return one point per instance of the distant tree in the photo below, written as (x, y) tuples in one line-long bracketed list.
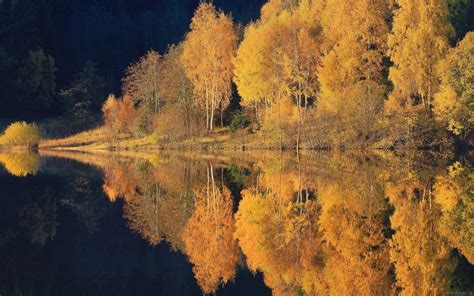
[(18, 26), (7, 81), (46, 24), (85, 93), (36, 79)]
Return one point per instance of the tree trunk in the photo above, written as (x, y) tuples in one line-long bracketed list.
[(222, 117), (279, 119), (298, 101), (211, 120), (429, 88), (207, 109)]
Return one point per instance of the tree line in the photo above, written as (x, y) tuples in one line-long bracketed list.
[(310, 74)]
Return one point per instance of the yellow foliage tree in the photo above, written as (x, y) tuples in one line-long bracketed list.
[(355, 35), (454, 103), (277, 59), (207, 53), (419, 39), (250, 70)]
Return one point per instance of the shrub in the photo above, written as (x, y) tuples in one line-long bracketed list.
[(21, 134), (239, 121)]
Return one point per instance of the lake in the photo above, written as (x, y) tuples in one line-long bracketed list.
[(240, 223)]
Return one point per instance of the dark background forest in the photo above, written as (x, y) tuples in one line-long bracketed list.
[(56, 54)]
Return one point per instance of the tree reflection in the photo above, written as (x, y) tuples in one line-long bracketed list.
[(320, 229), (38, 218), (277, 229), (347, 224), (157, 201), (422, 257), (352, 223), (454, 192), (21, 163), (209, 235)]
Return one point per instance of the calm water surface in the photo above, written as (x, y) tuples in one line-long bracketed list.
[(239, 224)]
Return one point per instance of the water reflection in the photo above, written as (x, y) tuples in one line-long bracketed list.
[(20, 163), (347, 224)]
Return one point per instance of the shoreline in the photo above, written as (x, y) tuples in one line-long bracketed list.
[(218, 140)]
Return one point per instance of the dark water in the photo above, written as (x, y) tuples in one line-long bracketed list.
[(237, 224)]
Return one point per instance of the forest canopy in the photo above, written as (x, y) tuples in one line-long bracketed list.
[(313, 74)]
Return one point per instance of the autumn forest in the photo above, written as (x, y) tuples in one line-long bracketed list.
[(304, 75), (309, 74), (236, 147)]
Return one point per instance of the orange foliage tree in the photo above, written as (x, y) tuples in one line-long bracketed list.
[(119, 115), (142, 84)]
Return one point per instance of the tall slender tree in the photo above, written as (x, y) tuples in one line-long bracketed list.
[(419, 39), (207, 53)]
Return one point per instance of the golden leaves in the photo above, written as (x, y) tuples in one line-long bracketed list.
[(207, 52), (453, 103)]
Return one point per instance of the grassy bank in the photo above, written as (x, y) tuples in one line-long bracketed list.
[(98, 139)]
